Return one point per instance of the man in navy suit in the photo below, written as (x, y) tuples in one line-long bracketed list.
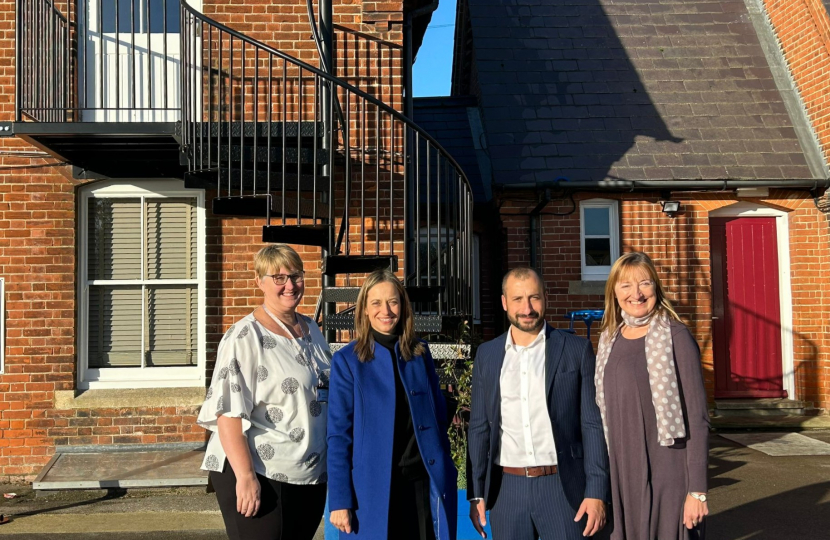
[(538, 459)]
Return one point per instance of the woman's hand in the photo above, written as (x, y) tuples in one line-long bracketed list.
[(247, 494), (342, 520), (693, 512)]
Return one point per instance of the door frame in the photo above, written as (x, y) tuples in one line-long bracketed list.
[(782, 229)]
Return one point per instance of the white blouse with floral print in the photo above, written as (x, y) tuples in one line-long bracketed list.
[(261, 378)]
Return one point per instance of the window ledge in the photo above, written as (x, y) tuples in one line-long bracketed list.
[(133, 397), (587, 287)]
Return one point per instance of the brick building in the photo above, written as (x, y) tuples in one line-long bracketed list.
[(149, 148), (696, 131)]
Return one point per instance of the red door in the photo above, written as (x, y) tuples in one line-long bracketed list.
[(746, 314)]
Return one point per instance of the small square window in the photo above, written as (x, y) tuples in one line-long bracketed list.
[(599, 238)]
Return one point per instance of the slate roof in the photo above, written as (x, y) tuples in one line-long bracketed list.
[(630, 89), (445, 118)]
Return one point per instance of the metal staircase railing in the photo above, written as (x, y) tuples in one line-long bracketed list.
[(263, 125)]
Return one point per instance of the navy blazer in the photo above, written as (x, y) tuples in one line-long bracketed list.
[(361, 420), (574, 417)]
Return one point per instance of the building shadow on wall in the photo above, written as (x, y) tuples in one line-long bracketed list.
[(561, 97)]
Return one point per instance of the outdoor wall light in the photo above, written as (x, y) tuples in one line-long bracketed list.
[(671, 208)]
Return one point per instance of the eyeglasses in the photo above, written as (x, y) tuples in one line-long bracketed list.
[(282, 279), (646, 286)]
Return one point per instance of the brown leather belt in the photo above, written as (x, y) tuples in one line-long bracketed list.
[(531, 472)]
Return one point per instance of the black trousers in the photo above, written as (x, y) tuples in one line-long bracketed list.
[(286, 511), (409, 513)]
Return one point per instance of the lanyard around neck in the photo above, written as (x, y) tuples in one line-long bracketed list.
[(301, 344)]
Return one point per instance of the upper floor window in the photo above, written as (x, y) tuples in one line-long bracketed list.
[(599, 237), (133, 16), (141, 291)]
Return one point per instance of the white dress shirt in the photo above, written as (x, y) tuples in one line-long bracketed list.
[(525, 432)]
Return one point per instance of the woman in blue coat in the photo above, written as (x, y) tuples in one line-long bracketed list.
[(390, 473)]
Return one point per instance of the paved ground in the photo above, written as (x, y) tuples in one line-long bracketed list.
[(753, 496), (760, 497)]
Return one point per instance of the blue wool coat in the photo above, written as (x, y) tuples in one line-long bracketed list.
[(361, 416)]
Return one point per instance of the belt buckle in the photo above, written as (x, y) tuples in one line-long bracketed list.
[(527, 472)]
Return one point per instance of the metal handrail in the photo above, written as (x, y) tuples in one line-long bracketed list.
[(402, 188), (234, 76), (329, 78)]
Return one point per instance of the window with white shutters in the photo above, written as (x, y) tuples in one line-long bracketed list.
[(142, 293)]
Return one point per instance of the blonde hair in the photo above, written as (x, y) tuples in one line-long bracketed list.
[(276, 256), (408, 343), (627, 263)]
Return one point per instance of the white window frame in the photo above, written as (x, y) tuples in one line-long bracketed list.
[(599, 273), (139, 377)]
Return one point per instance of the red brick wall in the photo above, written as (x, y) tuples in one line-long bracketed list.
[(803, 31), (680, 248), (38, 254)]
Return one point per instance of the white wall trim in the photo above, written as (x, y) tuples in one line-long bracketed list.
[(782, 228), (153, 377)]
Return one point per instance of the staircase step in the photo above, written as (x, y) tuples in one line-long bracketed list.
[(346, 295), (257, 206), (207, 179), (345, 321), (237, 153), (759, 407), (358, 264), (304, 235), (289, 129)]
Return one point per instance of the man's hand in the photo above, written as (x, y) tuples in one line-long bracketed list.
[(342, 520), (595, 509), (478, 516)]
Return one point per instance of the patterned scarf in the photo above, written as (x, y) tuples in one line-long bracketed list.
[(661, 374)]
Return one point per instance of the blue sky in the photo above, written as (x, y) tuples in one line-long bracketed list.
[(432, 70)]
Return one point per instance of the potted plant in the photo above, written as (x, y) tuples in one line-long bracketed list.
[(458, 375)]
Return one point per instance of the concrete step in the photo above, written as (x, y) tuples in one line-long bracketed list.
[(759, 407), (784, 422)]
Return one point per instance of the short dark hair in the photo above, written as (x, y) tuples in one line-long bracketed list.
[(522, 272)]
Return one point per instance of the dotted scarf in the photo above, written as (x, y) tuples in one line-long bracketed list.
[(662, 375)]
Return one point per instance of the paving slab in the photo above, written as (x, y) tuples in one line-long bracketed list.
[(156, 468), (780, 444)]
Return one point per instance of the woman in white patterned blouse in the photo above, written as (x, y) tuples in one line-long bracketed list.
[(266, 407)]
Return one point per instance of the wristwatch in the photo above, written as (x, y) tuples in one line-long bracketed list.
[(699, 496)]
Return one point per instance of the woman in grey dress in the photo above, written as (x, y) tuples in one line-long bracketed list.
[(653, 404)]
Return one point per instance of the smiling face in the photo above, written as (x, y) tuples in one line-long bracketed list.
[(283, 298), (524, 301), (383, 307), (636, 293)]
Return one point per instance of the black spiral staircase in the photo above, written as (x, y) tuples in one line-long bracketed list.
[(321, 162)]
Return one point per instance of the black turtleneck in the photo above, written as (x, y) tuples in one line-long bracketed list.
[(406, 457)]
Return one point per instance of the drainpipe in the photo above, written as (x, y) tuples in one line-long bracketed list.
[(327, 64), (535, 219)]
